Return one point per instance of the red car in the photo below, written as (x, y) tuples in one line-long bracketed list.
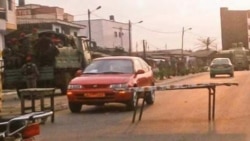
[(107, 79)]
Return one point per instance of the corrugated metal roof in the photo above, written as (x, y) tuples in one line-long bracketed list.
[(35, 21), (203, 53)]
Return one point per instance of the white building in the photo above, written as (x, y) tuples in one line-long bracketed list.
[(107, 33)]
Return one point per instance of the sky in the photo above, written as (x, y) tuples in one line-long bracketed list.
[(163, 20)]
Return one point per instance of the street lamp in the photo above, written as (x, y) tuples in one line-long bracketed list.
[(89, 24), (182, 40), (130, 37)]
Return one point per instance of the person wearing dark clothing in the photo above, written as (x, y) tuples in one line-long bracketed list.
[(173, 66), (46, 51), (7, 54), (30, 72), (162, 69), (167, 68), (23, 47)]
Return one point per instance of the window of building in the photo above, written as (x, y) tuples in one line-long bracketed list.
[(120, 34), (10, 5), (2, 10), (75, 34), (57, 30), (115, 34)]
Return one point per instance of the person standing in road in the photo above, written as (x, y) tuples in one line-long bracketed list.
[(162, 69), (30, 72)]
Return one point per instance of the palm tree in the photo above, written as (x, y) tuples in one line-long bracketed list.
[(207, 43)]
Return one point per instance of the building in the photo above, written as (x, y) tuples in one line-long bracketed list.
[(107, 33), (7, 24), (46, 18), (7, 19), (235, 27)]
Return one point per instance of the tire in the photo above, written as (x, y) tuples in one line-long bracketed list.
[(150, 97), (75, 107), (132, 102)]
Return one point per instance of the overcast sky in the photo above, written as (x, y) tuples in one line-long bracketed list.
[(163, 20)]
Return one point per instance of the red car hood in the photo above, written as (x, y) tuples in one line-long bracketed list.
[(102, 79)]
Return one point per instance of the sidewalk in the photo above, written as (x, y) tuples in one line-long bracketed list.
[(11, 105)]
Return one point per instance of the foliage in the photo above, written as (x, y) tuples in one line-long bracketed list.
[(207, 43)]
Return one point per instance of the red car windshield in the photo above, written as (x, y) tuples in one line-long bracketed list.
[(110, 66)]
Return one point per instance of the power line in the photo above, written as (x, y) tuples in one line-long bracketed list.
[(97, 16), (151, 30), (202, 36), (156, 31)]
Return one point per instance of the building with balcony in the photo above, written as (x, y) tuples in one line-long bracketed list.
[(46, 18), (235, 27), (107, 33), (7, 20)]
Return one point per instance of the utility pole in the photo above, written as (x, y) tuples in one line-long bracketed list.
[(144, 49), (130, 39), (182, 40), (182, 36), (136, 49), (89, 24)]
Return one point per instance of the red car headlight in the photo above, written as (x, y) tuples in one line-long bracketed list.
[(74, 86), (119, 86)]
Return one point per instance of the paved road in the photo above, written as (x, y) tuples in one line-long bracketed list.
[(179, 115), (11, 103)]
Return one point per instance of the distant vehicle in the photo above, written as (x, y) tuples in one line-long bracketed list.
[(240, 59), (238, 56), (107, 79), (220, 66)]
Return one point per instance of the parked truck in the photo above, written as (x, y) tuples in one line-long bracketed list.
[(58, 57), (240, 58), (237, 55)]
